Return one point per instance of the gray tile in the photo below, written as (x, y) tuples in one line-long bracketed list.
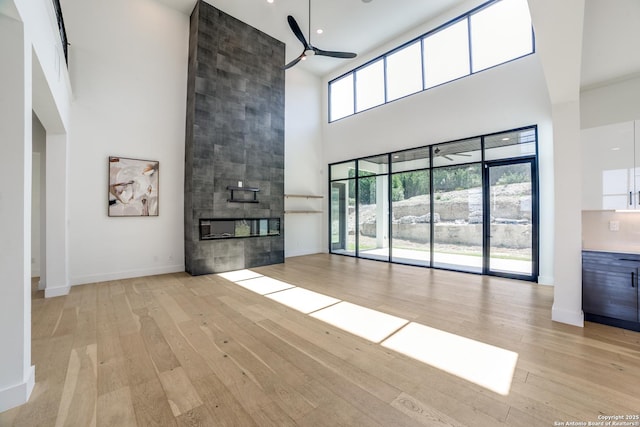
[(235, 132)]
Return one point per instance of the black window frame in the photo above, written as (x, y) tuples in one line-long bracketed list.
[(483, 165), (467, 15)]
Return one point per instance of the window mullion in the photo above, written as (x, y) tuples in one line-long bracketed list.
[(355, 92), (422, 63), (470, 45), (386, 98)]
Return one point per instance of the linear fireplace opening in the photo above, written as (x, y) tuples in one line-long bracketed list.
[(211, 228)]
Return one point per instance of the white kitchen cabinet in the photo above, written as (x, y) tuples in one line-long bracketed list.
[(611, 167)]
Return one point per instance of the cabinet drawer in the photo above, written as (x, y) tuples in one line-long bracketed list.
[(610, 291), (602, 260)]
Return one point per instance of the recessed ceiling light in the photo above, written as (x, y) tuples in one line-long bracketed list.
[(506, 139), (319, 31), (269, 1), (396, 157), (615, 149)]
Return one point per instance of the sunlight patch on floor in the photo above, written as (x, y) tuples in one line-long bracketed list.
[(482, 364), (302, 299), (474, 361), (369, 324), (238, 275), (263, 285)]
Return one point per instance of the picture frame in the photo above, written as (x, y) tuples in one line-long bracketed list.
[(133, 187)]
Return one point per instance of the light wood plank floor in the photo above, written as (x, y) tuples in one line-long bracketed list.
[(189, 351)]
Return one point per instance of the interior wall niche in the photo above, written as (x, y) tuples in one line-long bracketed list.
[(234, 139)]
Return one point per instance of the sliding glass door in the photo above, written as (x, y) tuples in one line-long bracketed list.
[(411, 207), (338, 216), (467, 205), (373, 208), (457, 242), (342, 212), (458, 206), (511, 220)]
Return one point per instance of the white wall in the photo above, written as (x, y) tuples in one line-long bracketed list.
[(613, 103), (16, 372), (304, 165), (57, 216), (128, 65), (37, 197), (505, 97), (559, 32), (34, 78), (51, 94)]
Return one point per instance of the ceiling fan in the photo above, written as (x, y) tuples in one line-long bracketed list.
[(309, 49), (437, 153)]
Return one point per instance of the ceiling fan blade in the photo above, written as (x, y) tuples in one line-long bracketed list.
[(298, 32), (461, 154), (308, 48), (447, 157), (294, 62), (333, 54)]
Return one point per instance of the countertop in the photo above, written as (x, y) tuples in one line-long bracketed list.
[(633, 250)]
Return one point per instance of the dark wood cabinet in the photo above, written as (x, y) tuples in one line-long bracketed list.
[(610, 288)]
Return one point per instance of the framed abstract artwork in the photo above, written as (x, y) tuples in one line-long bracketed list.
[(133, 187)]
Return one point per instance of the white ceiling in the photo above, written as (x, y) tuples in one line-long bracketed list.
[(611, 41), (349, 25), (611, 45)]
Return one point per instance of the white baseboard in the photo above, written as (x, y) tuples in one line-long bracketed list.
[(18, 394), (292, 254), (58, 291), (128, 274), (570, 317)]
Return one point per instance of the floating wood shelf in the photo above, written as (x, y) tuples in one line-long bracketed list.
[(304, 196), (303, 210)]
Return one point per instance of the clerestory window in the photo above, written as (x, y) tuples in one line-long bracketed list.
[(499, 31)]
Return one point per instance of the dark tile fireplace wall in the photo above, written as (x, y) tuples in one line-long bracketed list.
[(235, 132)]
